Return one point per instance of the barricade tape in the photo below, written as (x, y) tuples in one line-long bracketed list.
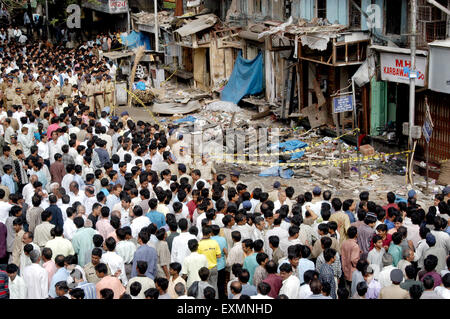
[(316, 163), (145, 106), (304, 149)]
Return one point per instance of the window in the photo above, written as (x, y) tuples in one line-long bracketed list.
[(321, 9), (393, 16), (257, 6), (355, 15)]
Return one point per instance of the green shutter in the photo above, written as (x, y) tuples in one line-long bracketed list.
[(378, 111)]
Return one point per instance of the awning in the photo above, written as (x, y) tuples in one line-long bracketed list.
[(107, 6), (113, 55), (396, 50), (199, 24)]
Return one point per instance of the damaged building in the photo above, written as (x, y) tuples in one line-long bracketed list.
[(308, 52)]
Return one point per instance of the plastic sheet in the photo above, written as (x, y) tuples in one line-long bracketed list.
[(246, 78), (189, 118), (277, 171)]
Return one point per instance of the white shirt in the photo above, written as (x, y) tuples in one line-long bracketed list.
[(4, 211), (17, 288), (36, 279), (384, 277), (276, 231), (191, 266), (441, 291), (137, 224), (69, 229), (180, 249), (245, 230), (67, 179), (164, 185), (291, 287), (305, 292), (115, 263), (259, 296), (126, 250)]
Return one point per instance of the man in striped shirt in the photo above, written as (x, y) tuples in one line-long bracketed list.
[(77, 282)]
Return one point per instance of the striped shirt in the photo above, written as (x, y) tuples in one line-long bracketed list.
[(4, 290), (89, 290)]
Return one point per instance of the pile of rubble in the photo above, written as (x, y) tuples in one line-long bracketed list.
[(165, 18)]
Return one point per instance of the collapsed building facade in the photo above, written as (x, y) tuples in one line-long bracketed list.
[(314, 50)]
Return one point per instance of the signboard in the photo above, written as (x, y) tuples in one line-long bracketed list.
[(427, 127), (397, 68), (439, 79), (343, 104), (108, 6)]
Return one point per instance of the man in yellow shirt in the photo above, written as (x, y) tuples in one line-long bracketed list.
[(211, 249)]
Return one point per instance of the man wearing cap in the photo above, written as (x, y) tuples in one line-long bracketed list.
[(234, 180), (89, 92), (177, 145), (67, 90), (99, 94), (18, 97), (35, 97), (394, 291), (27, 87), (206, 168), (437, 251), (54, 92), (186, 159), (273, 195), (9, 94), (15, 145), (44, 97), (110, 90)]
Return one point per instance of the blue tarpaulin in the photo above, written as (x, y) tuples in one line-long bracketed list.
[(246, 78), (277, 171), (290, 146), (189, 118), (136, 39)]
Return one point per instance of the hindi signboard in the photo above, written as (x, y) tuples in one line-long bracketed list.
[(108, 6), (343, 104)]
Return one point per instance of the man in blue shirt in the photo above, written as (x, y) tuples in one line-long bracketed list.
[(221, 261), (145, 253), (349, 206), (155, 217), (57, 218), (7, 180), (61, 274)]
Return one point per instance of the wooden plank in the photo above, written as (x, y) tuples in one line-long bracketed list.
[(262, 114)]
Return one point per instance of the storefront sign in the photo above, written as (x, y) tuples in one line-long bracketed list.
[(397, 68), (343, 104), (439, 70), (108, 6)]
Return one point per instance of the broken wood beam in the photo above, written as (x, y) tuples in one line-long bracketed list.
[(264, 113)]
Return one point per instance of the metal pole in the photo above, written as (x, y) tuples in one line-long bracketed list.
[(427, 157), (412, 80), (355, 115), (156, 26), (46, 19)]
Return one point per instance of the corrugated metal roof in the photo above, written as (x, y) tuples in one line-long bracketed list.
[(199, 24)]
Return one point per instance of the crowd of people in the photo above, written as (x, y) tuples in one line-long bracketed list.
[(96, 206)]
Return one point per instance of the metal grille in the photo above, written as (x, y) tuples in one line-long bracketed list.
[(440, 114)]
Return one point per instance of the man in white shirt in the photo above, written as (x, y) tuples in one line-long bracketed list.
[(36, 278), (69, 226), (180, 249), (193, 263), (114, 261), (291, 283), (16, 284), (139, 221), (263, 290)]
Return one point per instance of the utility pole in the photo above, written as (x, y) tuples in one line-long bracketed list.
[(46, 19), (413, 73), (156, 26)]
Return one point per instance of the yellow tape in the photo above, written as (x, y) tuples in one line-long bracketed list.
[(289, 152), (316, 163), (145, 106)]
